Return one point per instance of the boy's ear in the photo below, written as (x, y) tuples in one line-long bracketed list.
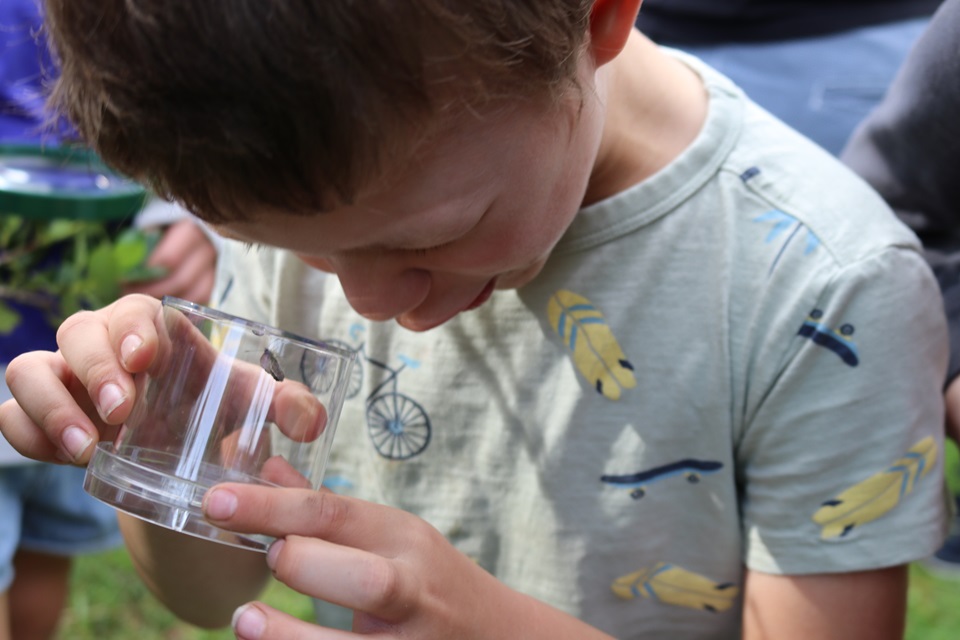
[(611, 22)]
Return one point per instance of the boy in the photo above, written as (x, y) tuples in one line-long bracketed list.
[(641, 365)]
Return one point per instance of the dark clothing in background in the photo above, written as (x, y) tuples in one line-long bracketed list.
[(909, 150), (698, 22)]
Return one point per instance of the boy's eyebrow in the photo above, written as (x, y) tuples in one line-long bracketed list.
[(442, 234), (465, 214)]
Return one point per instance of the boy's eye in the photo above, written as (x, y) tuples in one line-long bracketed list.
[(422, 252)]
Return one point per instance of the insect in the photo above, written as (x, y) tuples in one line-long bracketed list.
[(271, 365)]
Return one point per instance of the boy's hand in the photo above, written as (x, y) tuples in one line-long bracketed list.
[(65, 402), (398, 573)]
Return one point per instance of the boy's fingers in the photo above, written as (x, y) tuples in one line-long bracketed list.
[(46, 408), (134, 329), (23, 435), (85, 346), (321, 514), (297, 412), (351, 578), (102, 349), (257, 620)]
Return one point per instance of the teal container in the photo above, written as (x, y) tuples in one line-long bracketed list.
[(41, 182)]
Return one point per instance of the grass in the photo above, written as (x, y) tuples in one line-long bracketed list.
[(108, 601)]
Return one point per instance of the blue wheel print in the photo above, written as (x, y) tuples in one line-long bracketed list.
[(320, 376), (398, 426)]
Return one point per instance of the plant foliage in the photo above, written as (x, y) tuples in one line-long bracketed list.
[(63, 266)]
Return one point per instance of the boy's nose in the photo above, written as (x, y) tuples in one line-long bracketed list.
[(383, 294), (377, 285)]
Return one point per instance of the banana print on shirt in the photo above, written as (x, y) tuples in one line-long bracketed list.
[(596, 352)]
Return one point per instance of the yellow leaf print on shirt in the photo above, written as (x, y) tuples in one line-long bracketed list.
[(878, 494), (596, 352), (676, 586)]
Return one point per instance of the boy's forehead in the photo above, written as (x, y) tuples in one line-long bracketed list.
[(403, 217), (434, 192)]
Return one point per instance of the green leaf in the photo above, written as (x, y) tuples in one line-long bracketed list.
[(76, 263), (57, 230), (69, 303), (103, 275), (9, 319), (9, 227), (130, 250)]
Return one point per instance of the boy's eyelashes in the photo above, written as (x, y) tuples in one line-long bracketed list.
[(425, 250), (253, 246), (418, 252)]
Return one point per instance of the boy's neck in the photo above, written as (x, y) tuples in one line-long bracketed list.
[(656, 106)]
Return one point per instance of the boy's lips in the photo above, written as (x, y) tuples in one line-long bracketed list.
[(483, 296)]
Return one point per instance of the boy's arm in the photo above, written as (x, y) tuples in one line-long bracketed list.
[(199, 581), (846, 606), (399, 574)]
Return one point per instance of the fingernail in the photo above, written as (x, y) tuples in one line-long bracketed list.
[(75, 442), (248, 622), (129, 346), (111, 397), (220, 504), (273, 553)]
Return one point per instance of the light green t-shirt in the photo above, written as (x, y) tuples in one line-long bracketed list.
[(737, 363)]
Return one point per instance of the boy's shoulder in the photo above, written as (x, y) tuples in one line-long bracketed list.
[(789, 176), (753, 164)]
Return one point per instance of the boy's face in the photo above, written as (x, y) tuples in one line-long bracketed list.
[(476, 208)]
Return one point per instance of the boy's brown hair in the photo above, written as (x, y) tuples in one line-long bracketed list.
[(292, 104)]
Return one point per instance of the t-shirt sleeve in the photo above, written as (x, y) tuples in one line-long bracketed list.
[(841, 455)]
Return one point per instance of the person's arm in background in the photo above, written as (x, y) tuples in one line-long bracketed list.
[(908, 149), (186, 253)]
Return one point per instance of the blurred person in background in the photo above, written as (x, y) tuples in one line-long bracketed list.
[(820, 65), (45, 516)]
